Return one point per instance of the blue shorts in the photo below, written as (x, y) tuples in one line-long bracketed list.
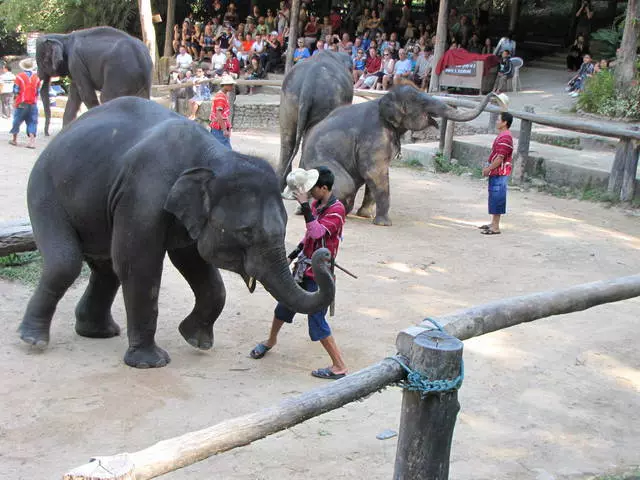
[(498, 194), (219, 135), (318, 326)]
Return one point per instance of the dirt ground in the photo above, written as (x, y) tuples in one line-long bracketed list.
[(557, 398)]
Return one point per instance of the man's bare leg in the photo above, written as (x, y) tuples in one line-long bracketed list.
[(331, 347), (276, 325), (495, 223)]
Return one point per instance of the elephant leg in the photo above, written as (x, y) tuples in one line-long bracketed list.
[(73, 105), (207, 285), (287, 144), (378, 183), (93, 313), (368, 204), (137, 260), (62, 261)]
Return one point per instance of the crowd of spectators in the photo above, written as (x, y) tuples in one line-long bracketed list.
[(385, 44)]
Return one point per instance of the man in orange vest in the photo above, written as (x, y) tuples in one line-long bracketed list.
[(26, 89), (221, 112)]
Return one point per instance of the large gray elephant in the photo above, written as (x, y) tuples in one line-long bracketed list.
[(101, 58), (310, 91), (358, 142), (130, 181)]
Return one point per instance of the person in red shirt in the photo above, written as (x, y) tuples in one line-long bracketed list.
[(26, 88), (324, 219), (498, 170), (221, 112)]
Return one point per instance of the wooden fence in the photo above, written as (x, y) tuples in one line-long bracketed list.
[(426, 423)]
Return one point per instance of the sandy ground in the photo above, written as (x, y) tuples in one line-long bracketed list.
[(557, 398)]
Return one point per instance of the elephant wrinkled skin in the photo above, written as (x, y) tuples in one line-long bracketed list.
[(130, 181), (101, 58), (358, 142), (310, 91)]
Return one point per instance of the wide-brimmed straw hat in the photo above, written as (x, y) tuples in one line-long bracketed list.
[(27, 64), (503, 101), (227, 80), (300, 179)]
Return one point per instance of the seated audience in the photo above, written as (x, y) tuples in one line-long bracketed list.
[(201, 93), (505, 72), (577, 82)]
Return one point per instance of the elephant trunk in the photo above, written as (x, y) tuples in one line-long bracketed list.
[(452, 114), (44, 95), (279, 282)]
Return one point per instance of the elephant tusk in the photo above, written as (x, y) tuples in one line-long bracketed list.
[(251, 283)]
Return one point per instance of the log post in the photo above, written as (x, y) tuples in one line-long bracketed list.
[(624, 153), (294, 19), (628, 189), (522, 162), (448, 139), (427, 422), (16, 237), (443, 133), (441, 40)]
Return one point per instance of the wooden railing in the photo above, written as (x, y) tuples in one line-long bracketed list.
[(426, 423)]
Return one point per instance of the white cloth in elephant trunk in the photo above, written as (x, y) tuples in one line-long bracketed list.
[(300, 179)]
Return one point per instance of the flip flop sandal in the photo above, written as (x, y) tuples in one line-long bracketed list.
[(259, 351), (11, 142), (485, 227), (327, 374), (489, 232)]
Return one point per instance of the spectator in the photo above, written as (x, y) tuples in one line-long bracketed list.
[(474, 45), (424, 65), (245, 53), (576, 84), (259, 48), (505, 72), (362, 22), (401, 69), (498, 170), (283, 18), (576, 52), (409, 32), (274, 53), (370, 76), (195, 40), (584, 16), (345, 44), (220, 118), (26, 88), (405, 15), (506, 43), (217, 10), (319, 47), (253, 71), (201, 93), (206, 42), (465, 31), (487, 48), (326, 29), (231, 16), (359, 64), (218, 60), (385, 77), (357, 45), (7, 80), (224, 38), (183, 60), (256, 11), (177, 38), (232, 65), (301, 52), (270, 21), (311, 30), (261, 28), (336, 20), (373, 24)]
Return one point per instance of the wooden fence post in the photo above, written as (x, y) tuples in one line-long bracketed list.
[(623, 171), (448, 139), (522, 162), (427, 423)]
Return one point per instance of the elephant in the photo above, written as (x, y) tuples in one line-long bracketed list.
[(100, 58), (310, 91), (130, 181), (358, 142)]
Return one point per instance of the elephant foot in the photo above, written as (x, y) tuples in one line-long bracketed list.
[(92, 329), (196, 334), (146, 357), (35, 335), (365, 212), (382, 221)]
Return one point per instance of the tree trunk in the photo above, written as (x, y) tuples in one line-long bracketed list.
[(148, 30), (441, 40), (625, 71), (515, 15), (168, 34), (294, 15)]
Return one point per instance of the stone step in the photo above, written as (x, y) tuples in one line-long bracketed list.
[(555, 165)]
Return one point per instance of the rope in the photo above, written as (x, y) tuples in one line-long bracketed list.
[(417, 382)]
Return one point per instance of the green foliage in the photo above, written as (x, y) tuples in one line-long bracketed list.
[(609, 39), (441, 163), (66, 15), (26, 268), (600, 97)]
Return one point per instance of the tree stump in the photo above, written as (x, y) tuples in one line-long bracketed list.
[(622, 179), (16, 237)]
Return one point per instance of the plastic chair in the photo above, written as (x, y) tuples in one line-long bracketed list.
[(517, 63)]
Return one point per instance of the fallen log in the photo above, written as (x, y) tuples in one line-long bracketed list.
[(16, 237)]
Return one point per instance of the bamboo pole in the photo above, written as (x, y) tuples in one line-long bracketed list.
[(175, 453), (441, 40), (168, 32), (483, 319), (294, 20)]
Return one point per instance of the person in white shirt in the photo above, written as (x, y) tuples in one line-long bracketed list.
[(183, 60), (218, 59), (7, 79), (506, 43), (259, 48)]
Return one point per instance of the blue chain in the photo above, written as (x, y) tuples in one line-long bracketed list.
[(416, 382)]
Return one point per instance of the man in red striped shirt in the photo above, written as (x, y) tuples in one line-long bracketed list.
[(26, 88), (324, 220), (498, 170), (221, 112)]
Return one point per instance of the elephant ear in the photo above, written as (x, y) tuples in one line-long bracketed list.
[(50, 56), (392, 109), (189, 199)]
